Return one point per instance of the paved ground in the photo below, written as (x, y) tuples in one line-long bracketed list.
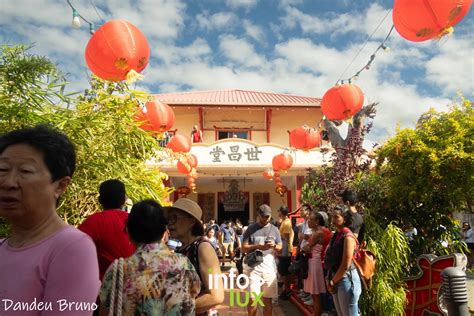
[(282, 308)]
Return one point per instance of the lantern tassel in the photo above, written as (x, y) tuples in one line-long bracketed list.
[(444, 32), (350, 120), (133, 76)]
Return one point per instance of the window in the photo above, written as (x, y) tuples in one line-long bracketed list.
[(232, 134)]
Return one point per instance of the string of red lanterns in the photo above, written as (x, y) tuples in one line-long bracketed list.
[(118, 50)]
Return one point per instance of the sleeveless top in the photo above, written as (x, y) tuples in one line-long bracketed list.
[(335, 250), (191, 251)]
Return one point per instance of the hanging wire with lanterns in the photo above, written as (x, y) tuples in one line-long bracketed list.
[(382, 45), (76, 19)]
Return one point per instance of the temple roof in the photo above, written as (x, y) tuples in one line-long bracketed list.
[(237, 98)]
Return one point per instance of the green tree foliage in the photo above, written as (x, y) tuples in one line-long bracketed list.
[(426, 174), (100, 123), (388, 293)]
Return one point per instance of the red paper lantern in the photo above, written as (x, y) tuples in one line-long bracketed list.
[(304, 138), (159, 117), (422, 20), (187, 166), (141, 117), (179, 144), (342, 101), (118, 50), (282, 161), (268, 174)]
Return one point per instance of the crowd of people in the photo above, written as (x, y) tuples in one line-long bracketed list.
[(157, 260)]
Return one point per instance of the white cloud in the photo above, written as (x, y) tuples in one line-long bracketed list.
[(197, 50), (241, 3), (375, 21), (216, 21), (239, 51), (452, 69), (163, 19), (254, 31), (303, 55)]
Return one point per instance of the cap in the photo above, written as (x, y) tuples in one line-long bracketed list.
[(264, 210)]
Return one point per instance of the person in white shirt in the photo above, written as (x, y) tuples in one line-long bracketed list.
[(264, 238)]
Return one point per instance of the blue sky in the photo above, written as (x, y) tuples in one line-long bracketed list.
[(286, 46)]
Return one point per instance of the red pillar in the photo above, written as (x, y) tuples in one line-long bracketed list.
[(299, 185), (201, 121), (269, 123)]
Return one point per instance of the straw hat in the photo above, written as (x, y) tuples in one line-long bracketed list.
[(187, 206)]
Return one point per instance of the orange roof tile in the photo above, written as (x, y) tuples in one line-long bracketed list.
[(237, 98)]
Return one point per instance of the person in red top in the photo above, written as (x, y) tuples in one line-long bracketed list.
[(196, 135), (107, 228)]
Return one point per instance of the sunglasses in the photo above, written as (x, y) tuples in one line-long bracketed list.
[(174, 218)]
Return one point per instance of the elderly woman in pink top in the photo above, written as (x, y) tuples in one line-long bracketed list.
[(46, 266)]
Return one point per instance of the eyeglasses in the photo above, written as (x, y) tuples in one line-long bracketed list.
[(174, 218)]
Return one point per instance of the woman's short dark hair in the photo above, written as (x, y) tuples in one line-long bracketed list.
[(346, 215), (197, 229), (58, 151), (319, 218), (208, 230), (146, 222), (349, 196), (112, 194), (283, 210)]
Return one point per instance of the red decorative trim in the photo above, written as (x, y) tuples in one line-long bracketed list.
[(201, 119), (269, 123), (299, 186)]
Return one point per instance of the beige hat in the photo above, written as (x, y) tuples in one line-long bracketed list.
[(188, 206)]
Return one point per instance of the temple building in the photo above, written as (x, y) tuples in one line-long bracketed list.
[(241, 133)]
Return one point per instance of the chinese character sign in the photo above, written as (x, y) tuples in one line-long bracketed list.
[(234, 153)]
